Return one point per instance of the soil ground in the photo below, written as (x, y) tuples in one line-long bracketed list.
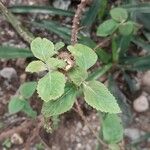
[(72, 133)]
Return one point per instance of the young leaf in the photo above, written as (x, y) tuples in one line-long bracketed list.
[(42, 48), (77, 75), (15, 105), (126, 28), (28, 110), (27, 89), (98, 96), (85, 57), (59, 45), (54, 63), (112, 129), (62, 104), (51, 86), (107, 28), (36, 66), (119, 14)]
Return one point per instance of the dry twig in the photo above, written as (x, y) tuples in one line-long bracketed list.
[(21, 128), (23, 32)]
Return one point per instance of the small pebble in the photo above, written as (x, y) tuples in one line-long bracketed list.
[(141, 104), (16, 139), (133, 133), (146, 79), (8, 73), (23, 77), (62, 4), (20, 62)]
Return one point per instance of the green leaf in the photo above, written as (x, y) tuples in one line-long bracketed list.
[(85, 57), (140, 7), (40, 9), (119, 14), (36, 66), (77, 75), (51, 86), (99, 72), (147, 35), (143, 19), (112, 129), (54, 63), (28, 110), (141, 43), (122, 101), (62, 104), (42, 48), (137, 63), (103, 56), (98, 96), (126, 28), (124, 43), (87, 41), (103, 8), (15, 105), (13, 52), (59, 45), (115, 49), (27, 89), (91, 14), (62, 31), (107, 28)]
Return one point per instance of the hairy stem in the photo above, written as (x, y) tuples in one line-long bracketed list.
[(76, 21), (23, 32), (74, 39)]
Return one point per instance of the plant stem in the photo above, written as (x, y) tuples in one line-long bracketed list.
[(74, 39), (76, 21), (80, 112), (23, 32)]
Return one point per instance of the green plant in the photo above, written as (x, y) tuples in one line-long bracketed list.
[(67, 70), (118, 23), (7, 144), (20, 102), (66, 75)]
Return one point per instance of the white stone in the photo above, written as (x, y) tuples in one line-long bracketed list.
[(8, 73), (133, 133), (79, 125), (62, 4), (146, 79), (16, 139), (141, 104)]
